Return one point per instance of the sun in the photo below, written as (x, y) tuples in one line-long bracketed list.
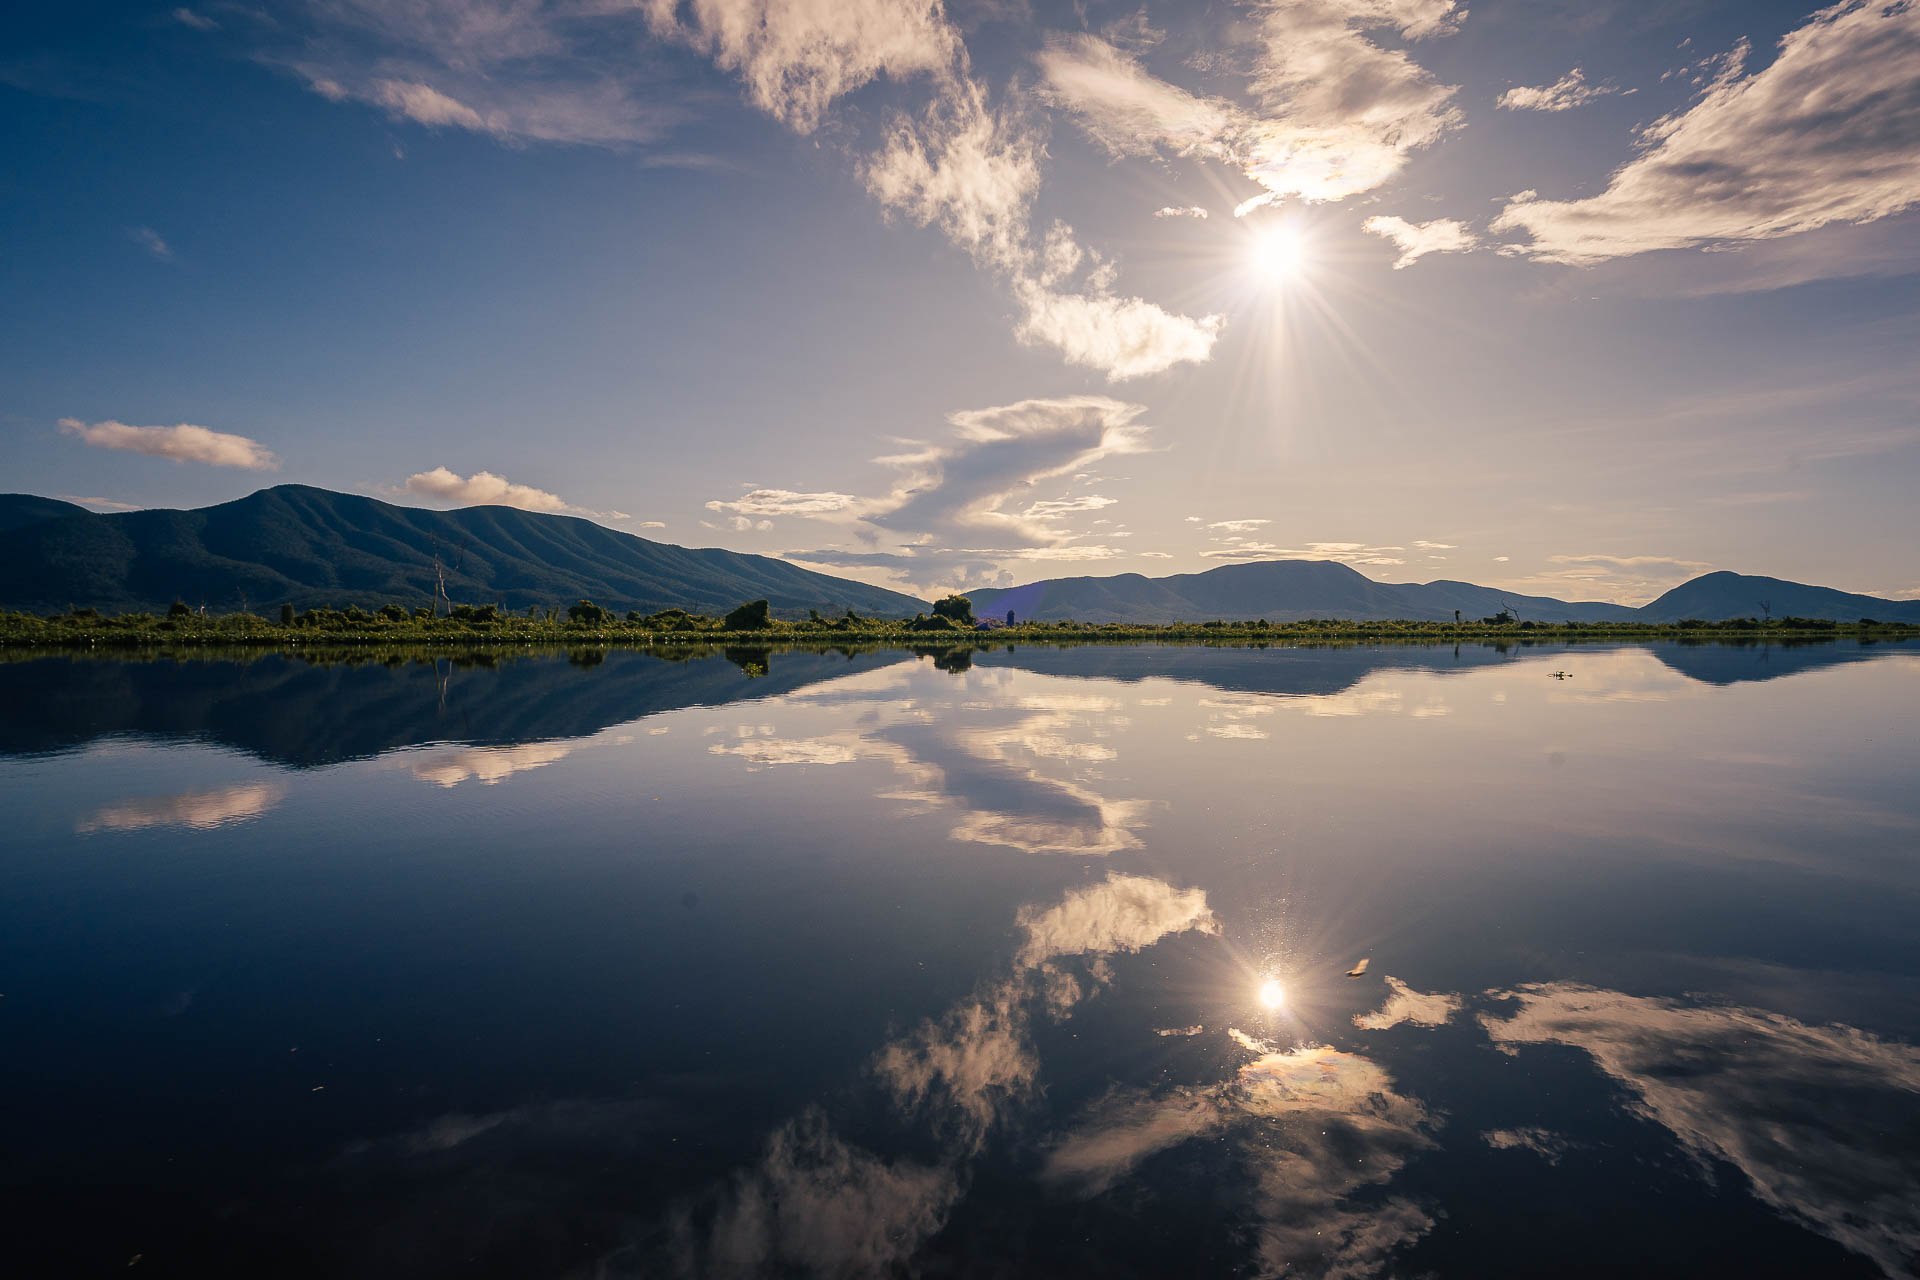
[(1279, 253), (1272, 994)]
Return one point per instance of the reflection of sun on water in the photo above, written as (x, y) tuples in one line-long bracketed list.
[(1272, 994)]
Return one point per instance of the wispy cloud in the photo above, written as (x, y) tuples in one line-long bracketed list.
[(198, 21), (1180, 211), (795, 59), (100, 504), (972, 170), (518, 70), (485, 489), (1822, 135), (152, 241), (1238, 526), (1342, 552), (1569, 91), (1332, 114), (182, 443), (964, 508), (786, 502), (1418, 239)]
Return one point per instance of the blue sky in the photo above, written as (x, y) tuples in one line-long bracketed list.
[(1574, 298)]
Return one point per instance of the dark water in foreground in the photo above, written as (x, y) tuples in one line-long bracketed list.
[(875, 966)]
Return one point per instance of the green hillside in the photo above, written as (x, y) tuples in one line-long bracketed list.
[(312, 547)]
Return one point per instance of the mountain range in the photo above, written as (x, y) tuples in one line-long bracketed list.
[(298, 545), (1290, 590)]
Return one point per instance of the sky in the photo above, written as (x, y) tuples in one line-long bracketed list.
[(1569, 297)]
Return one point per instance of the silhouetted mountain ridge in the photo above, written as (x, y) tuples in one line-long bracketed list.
[(304, 546), (1292, 590)]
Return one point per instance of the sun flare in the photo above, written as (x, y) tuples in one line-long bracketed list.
[(1279, 254), (1272, 994)]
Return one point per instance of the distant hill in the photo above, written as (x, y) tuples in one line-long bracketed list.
[(298, 545), (1289, 590), (1740, 595), (1277, 590), (17, 509)]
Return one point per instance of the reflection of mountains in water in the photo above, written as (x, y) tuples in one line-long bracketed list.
[(296, 711), (1337, 668)]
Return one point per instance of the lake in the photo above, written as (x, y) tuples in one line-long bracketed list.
[(1111, 960)]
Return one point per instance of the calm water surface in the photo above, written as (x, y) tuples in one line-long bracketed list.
[(1033, 963)]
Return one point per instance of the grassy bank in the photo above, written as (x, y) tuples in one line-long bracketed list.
[(486, 627)]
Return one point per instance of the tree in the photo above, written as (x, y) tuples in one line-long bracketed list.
[(286, 615), (959, 609), (751, 616), (178, 609), (588, 612)]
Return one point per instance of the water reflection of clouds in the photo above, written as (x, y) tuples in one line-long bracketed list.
[(1404, 1004), (1819, 1119), (821, 1205), (1019, 771), (199, 810), (1310, 1126), (489, 766)]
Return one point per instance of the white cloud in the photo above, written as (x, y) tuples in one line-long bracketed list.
[(966, 168), (786, 502), (1127, 110), (1053, 510), (1123, 337), (198, 21), (424, 104), (1179, 211), (1238, 526), (103, 504), (1424, 545), (1344, 552), (797, 57), (1333, 114), (653, 524), (485, 489), (1418, 239), (150, 240), (972, 172), (1823, 135), (182, 443), (1569, 91)]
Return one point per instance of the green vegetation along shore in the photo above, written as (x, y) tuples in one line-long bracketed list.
[(951, 622)]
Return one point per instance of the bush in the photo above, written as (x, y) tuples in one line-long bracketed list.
[(286, 615), (394, 612), (938, 622), (955, 608), (178, 609), (751, 616), (589, 613)]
